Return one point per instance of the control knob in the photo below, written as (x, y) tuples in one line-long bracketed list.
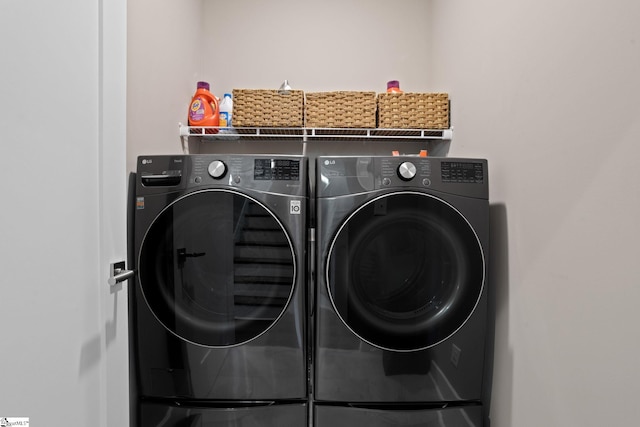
[(217, 169), (406, 171)]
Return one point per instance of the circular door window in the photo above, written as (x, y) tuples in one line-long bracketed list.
[(405, 271), (217, 268)]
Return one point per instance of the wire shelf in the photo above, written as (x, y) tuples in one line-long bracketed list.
[(310, 134)]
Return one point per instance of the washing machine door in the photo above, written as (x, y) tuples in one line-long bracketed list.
[(405, 271), (217, 268)]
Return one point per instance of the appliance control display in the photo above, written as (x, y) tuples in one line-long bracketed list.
[(276, 170), (462, 172)]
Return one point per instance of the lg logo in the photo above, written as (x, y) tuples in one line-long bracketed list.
[(147, 161), (329, 162)]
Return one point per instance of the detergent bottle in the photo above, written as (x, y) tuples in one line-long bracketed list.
[(393, 86), (204, 109), (226, 110)]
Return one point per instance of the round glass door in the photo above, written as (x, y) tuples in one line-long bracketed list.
[(405, 271), (217, 268)]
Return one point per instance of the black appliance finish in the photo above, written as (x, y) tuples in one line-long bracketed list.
[(218, 312), (400, 315)]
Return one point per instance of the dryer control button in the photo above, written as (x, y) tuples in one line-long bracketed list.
[(217, 169), (426, 182), (386, 181), (406, 171)]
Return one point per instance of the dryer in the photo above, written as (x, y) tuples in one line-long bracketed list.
[(218, 311), (400, 317)]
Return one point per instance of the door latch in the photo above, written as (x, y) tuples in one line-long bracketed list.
[(119, 273)]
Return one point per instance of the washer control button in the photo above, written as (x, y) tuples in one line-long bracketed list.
[(406, 171), (386, 181), (217, 169), (426, 182)]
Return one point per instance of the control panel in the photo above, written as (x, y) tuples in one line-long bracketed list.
[(462, 172), (285, 175), (425, 172), (276, 170), (352, 175), (397, 171), (277, 174)]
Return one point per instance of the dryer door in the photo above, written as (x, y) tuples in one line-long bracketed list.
[(217, 268), (405, 271)]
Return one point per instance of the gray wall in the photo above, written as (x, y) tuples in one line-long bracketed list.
[(548, 91)]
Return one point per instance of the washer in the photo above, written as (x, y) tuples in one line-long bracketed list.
[(401, 291), (218, 312)]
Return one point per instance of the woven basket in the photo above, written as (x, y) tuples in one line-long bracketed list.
[(340, 110), (413, 110), (267, 108)]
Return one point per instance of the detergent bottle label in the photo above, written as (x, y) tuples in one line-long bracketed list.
[(224, 119), (196, 112)]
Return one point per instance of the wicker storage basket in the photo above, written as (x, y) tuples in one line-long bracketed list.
[(413, 110), (267, 108), (340, 110)]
